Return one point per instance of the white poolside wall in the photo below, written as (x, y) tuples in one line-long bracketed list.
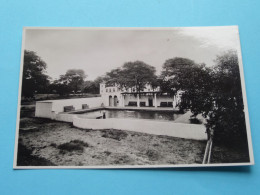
[(187, 131), (50, 108), (53, 109)]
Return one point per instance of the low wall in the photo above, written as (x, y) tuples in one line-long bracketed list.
[(63, 117), (43, 109), (58, 105), (49, 108), (187, 131)]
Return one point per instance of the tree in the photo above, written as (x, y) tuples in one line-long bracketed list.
[(93, 86), (132, 75), (61, 88), (73, 79), (90, 87), (213, 92), (116, 77), (227, 118), (197, 86), (34, 78), (175, 74), (193, 79)]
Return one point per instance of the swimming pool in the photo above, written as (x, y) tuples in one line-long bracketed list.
[(134, 114)]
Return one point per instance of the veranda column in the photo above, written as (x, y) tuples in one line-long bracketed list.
[(138, 100), (123, 100), (155, 100), (174, 101)]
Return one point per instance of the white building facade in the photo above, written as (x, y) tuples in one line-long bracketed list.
[(112, 96)]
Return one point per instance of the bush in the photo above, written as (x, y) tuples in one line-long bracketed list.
[(152, 155), (195, 121), (114, 134), (74, 145)]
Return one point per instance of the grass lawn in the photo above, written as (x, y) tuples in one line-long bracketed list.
[(45, 142)]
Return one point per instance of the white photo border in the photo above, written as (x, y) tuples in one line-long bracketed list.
[(249, 138)]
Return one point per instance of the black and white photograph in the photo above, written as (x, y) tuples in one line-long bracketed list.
[(132, 98)]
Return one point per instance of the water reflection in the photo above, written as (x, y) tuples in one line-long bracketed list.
[(170, 116)]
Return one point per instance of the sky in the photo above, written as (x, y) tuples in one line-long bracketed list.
[(98, 51)]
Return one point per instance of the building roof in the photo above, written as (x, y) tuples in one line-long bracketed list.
[(145, 93)]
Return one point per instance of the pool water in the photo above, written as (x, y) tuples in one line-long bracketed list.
[(152, 115)]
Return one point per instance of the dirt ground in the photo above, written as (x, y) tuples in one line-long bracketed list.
[(44, 142)]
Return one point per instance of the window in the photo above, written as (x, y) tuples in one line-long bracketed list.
[(106, 90), (114, 90)]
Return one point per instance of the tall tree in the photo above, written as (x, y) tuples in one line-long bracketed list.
[(60, 87), (197, 85), (34, 78), (175, 74), (133, 75), (227, 118), (90, 87), (213, 92), (74, 79), (93, 86)]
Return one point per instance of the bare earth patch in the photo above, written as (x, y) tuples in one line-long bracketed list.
[(62, 144)]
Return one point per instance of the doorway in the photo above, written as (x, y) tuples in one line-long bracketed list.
[(150, 102), (115, 101), (110, 101)]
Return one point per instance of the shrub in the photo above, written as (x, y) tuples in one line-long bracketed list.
[(152, 155), (195, 121), (114, 134), (74, 145)]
